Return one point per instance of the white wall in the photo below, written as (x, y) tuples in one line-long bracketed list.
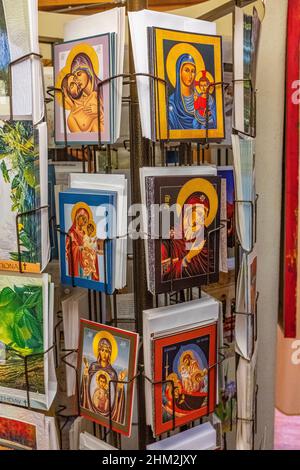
[(270, 121)]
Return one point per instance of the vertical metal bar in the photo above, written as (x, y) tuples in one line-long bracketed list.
[(219, 157), (95, 305), (109, 162), (95, 158), (90, 304), (83, 159), (181, 154), (163, 154), (142, 298), (115, 312), (198, 154), (27, 380), (100, 308), (189, 154)]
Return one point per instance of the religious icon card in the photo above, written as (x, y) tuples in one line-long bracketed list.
[(185, 375), (227, 173), (186, 252), (107, 363), (83, 107), (87, 231), (187, 98)]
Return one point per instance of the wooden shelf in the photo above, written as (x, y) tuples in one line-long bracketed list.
[(88, 7)]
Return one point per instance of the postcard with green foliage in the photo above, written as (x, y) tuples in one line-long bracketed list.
[(24, 333), (21, 192)]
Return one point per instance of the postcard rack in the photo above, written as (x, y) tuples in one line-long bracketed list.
[(108, 429), (95, 298), (142, 153)]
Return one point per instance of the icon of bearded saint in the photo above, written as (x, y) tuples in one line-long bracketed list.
[(183, 255), (80, 87)]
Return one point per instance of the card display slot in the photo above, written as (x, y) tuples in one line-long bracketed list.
[(26, 360), (253, 220), (19, 244), (31, 56)]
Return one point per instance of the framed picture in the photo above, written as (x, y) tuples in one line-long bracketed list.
[(191, 105), (86, 221), (107, 364), (186, 359), (79, 68)]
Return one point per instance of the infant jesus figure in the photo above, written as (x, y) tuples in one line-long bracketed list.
[(90, 251)]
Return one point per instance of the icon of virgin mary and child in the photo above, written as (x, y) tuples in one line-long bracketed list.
[(80, 88), (96, 390), (189, 385), (192, 104), (185, 254), (82, 245)]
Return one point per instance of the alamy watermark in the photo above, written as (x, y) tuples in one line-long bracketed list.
[(154, 222)]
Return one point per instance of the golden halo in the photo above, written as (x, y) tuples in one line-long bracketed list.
[(175, 52), (197, 185), (209, 77), (79, 48), (81, 205), (102, 372), (114, 346), (94, 228)]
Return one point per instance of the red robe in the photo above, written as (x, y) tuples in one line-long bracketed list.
[(174, 269), (75, 261)]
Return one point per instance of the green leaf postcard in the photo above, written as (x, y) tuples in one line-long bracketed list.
[(24, 316), (20, 193)]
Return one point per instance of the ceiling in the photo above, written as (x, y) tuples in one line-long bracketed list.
[(88, 7)]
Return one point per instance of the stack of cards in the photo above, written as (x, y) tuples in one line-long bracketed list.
[(139, 23), (89, 442), (201, 437), (74, 307), (27, 331), (182, 226), (246, 295), (180, 348), (78, 427), (22, 429), (246, 406), (19, 37), (187, 101), (24, 188), (246, 43), (82, 68), (93, 224), (244, 171)]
